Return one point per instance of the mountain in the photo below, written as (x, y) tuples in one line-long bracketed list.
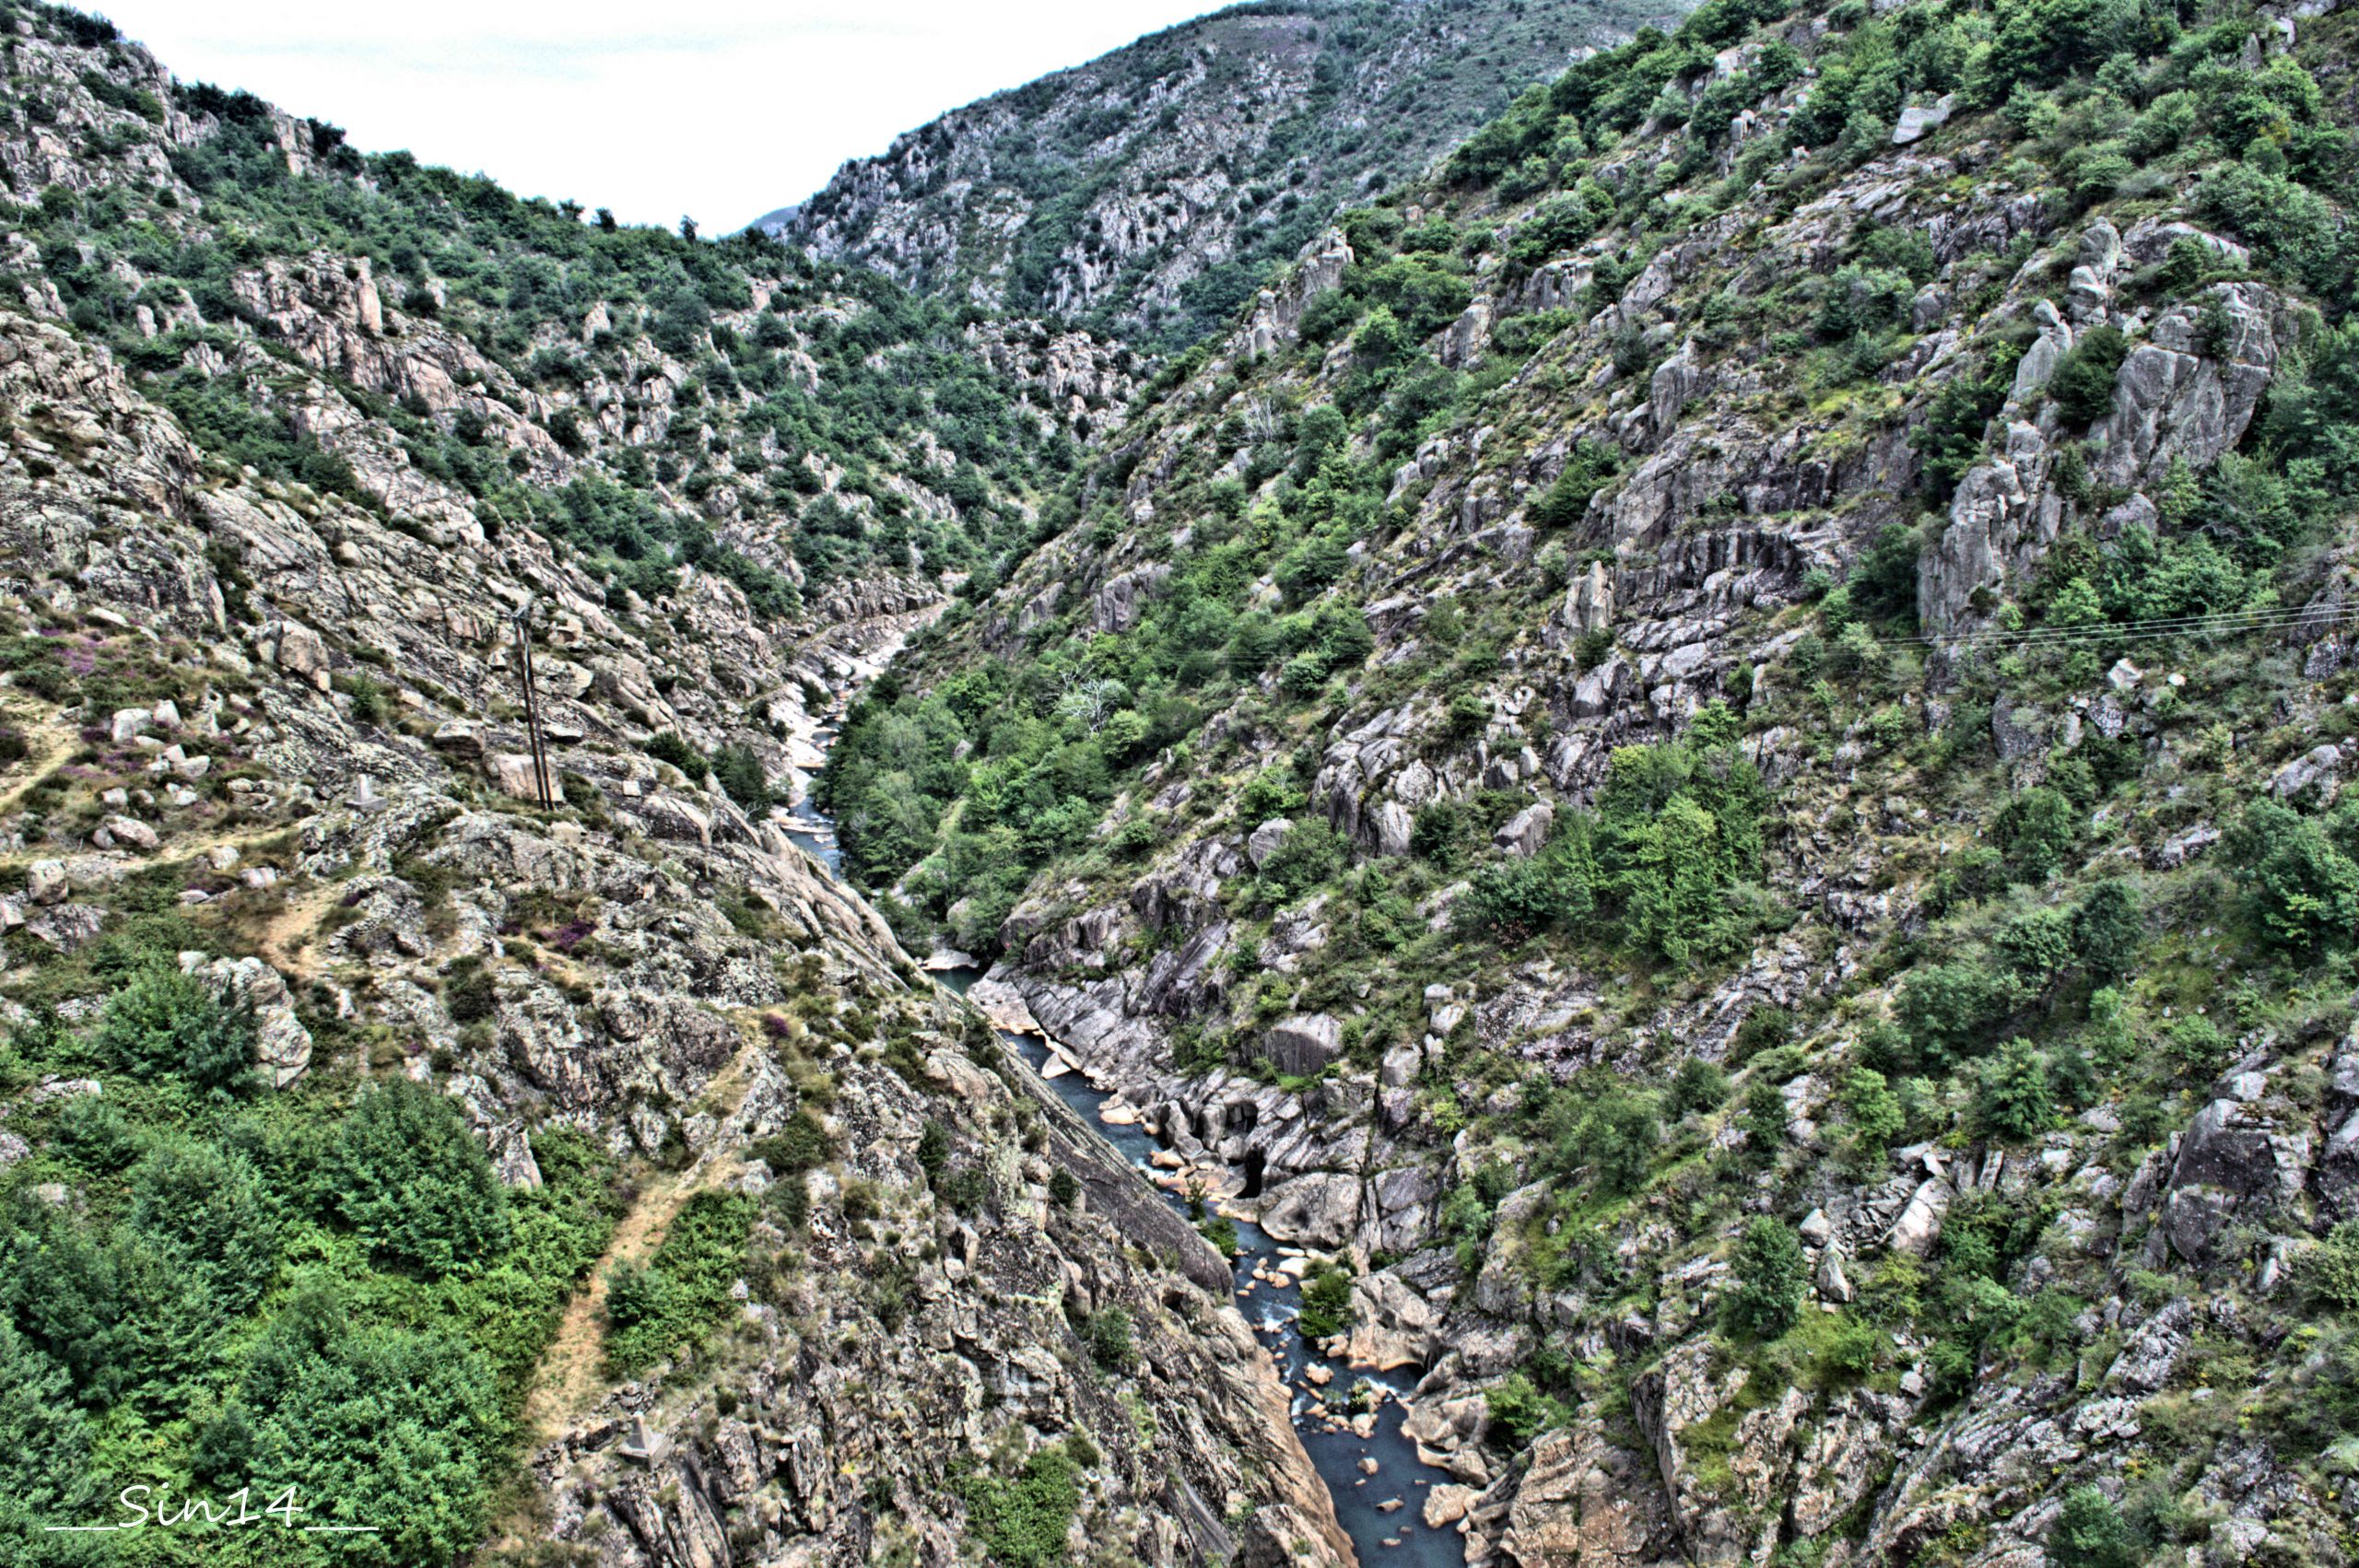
[(448, 1110), (1714, 742), (1148, 193)]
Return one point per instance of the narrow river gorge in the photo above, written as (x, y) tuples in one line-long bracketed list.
[(1348, 1420)]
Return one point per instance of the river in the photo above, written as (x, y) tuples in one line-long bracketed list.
[(1380, 1508)]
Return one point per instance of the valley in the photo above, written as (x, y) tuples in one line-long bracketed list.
[(1497, 785)]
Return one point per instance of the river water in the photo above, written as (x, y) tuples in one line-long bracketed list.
[(1381, 1510)]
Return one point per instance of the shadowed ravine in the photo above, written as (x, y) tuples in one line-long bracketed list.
[(1378, 1533)]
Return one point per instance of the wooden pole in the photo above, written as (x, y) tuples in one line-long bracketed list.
[(532, 709)]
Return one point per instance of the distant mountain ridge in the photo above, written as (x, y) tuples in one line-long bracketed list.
[(1151, 189)]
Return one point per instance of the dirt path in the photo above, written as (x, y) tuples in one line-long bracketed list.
[(569, 1382), (284, 939), (49, 744)]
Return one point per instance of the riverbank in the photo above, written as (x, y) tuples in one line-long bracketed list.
[(1347, 1418)]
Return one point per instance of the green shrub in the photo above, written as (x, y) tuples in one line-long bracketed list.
[(1326, 1302), (165, 1022), (802, 1144), (1697, 1085), (1766, 1294), (934, 1148), (1521, 1412), (1108, 1335), (683, 1291), (2089, 1533), (667, 746), (414, 1183), (2014, 1098), (1308, 854), (1021, 1520), (2081, 387), (1439, 831), (2329, 1273)]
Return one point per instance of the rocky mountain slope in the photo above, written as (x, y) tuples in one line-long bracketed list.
[(1148, 193), (459, 1147), (1709, 748), (633, 393)]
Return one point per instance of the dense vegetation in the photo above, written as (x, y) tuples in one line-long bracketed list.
[(322, 1290)]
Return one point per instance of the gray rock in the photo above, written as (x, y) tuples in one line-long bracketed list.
[(1523, 834), (45, 883), (1920, 120), (1304, 1044), (132, 832), (1263, 841)]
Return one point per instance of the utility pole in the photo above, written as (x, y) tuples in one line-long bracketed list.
[(532, 705)]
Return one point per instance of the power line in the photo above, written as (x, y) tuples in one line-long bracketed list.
[(2154, 628)]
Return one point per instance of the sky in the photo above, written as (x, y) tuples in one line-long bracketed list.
[(717, 109)]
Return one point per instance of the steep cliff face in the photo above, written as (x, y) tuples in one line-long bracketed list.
[(1151, 189), (1690, 742), (592, 1173)]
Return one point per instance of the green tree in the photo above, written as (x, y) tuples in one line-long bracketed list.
[(2081, 387), (1518, 895), (2089, 1533), (2015, 1099), (209, 1208), (741, 776), (1874, 1110), (1947, 1010), (2107, 929), (2038, 945), (1765, 1297), (44, 1452), (2303, 890), (1763, 1120), (2035, 829), (377, 1426), (1612, 1135), (1674, 883), (165, 1022), (409, 1177)]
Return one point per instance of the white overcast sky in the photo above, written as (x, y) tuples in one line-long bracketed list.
[(718, 108)]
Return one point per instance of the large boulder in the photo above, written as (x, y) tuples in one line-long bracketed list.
[(1304, 1044), (2235, 1159), (1321, 1209)]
